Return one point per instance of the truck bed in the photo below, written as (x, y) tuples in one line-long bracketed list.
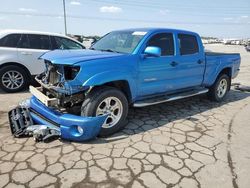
[(217, 61)]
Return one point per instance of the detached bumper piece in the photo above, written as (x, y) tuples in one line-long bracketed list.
[(20, 119), (44, 133), (22, 125), (48, 123), (242, 88)]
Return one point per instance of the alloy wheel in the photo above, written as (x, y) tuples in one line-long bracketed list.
[(12, 79), (113, 107)]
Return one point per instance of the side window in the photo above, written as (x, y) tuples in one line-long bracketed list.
[(64, 43), (188, 44), (10, 40), (39, 42), (164, 41), (24, 42), (31, 41)]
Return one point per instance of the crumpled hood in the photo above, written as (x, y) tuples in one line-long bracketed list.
[(70, 57)]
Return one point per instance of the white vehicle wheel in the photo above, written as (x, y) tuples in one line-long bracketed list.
[(13, 79)]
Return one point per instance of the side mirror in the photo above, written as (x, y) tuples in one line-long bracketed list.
[(153, 51)]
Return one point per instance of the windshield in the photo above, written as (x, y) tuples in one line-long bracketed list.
[(119, 41)]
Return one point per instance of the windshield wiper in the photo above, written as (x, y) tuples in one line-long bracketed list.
[(92, 48), (109, 50)]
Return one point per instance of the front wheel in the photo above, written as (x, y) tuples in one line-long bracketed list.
[(110, 101), (220, 88)]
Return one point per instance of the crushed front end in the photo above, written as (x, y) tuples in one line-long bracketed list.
[(45, 114), (58, 82), (44, 123)]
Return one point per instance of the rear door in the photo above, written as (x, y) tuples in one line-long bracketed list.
[(30, 48), (190, 59)]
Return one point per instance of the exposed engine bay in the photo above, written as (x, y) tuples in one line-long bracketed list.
[(54, 84)]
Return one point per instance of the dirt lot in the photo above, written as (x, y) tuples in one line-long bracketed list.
[(187, 143)]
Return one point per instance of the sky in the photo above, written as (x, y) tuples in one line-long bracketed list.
[(221, 18)]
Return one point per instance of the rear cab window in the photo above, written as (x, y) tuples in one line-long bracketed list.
[(164, 41), (10, 40), (188, 44)]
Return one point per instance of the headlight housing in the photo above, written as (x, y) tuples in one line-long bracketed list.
[(70, 72)]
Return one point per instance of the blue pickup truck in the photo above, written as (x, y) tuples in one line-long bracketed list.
[(134, 67)]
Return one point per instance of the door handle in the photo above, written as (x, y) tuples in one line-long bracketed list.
[(173, 63), (199, 61), (26, 53)]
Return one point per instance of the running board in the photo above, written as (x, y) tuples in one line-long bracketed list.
[(167, 98)]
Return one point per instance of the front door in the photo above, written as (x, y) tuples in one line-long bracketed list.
[(158, 74)]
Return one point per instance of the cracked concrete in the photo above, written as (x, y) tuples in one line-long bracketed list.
[(183, 144)]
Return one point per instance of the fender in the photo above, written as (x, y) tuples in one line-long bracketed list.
[(112, 76), (212, 72)]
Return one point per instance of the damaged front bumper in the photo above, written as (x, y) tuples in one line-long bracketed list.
[(67, 126)]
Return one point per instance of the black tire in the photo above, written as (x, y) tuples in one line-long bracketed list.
[(213, 90), (95, 98), (21, 71)]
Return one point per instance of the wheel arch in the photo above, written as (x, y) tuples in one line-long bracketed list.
[(16, 64), (213, 77), (119, 79), (227, 71), (122, 85)]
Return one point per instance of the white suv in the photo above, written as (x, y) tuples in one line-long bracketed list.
[(19, 53)]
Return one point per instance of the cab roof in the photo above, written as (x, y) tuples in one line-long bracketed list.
[(152, 30)]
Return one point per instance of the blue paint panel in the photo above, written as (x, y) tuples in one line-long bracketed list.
[(71, 57), (144, 76), (68, 123), (216, 63)]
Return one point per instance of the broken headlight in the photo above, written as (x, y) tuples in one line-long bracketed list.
[(70, 72)]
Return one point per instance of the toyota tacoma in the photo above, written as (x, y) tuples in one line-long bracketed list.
[(134, 67)]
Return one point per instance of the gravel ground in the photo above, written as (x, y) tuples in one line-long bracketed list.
[(188, 143)]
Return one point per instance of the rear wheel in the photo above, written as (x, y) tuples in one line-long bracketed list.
[(13, 79), (220, 88), (107, 100)]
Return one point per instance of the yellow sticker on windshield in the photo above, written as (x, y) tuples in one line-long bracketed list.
[(139, 33)]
